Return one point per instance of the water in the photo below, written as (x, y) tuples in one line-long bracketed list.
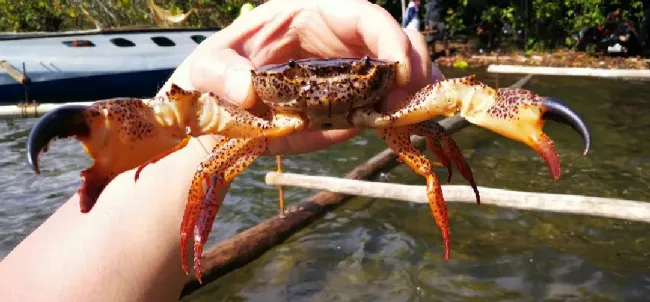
[(383, 250)]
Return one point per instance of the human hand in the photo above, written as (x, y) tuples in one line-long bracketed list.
[(280, 30)]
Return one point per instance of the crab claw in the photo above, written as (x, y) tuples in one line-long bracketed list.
[(118, 134), (61, 123), (556, 110), (520, 115)]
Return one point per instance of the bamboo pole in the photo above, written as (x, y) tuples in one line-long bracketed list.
[(32, 109), (571, 71), (559, 203), (239, 250)]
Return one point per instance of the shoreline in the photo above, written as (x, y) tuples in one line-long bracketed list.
[(463, 58)]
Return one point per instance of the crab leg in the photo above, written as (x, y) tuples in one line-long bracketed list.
[(515, 113), (227, 160), (399, 141), (440, 143)]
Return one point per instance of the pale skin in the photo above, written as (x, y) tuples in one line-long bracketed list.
[(126, 248)]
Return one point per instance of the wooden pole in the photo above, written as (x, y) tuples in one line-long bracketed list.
[(571, 71), (16, 74), (32, 109), (559, 203), (238, 250)]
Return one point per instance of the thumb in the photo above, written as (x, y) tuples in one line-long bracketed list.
[(225, 73)]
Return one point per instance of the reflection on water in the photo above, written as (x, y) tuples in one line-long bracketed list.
[(384, 250)]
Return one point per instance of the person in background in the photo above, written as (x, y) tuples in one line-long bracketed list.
[(645, 27), (412, 20), (613, 19), (433, 21)]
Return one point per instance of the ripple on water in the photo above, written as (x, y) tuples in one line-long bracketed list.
[(383, 250)]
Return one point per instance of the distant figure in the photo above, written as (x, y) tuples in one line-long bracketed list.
[(645, 28), (433, 21), (412, 20), (487, 32), (613, 19)]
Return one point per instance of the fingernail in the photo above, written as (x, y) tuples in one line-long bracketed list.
[(238, 86), (403, 73)]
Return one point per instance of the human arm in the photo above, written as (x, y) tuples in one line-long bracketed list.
[(127, 247)]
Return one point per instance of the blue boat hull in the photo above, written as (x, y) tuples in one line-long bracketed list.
[(143, 84)]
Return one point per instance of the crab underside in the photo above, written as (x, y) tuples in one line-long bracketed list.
[(124, 134)]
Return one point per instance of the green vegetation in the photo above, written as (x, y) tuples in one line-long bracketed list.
[(546, 24), (58, 15), (543, 24)]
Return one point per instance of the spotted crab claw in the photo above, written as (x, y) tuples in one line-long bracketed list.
[(520, 115), (118, 134), (514, 113)]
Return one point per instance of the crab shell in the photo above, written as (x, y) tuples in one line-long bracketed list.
[(324, 91)]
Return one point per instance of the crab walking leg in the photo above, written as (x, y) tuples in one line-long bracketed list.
[(399, 141), (221, 167), (194, 198), (442, 144), (514, 113), (203, 224), (278, 160)]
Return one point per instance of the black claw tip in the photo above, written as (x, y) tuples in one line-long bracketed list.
[(560, 112), (63, 122)]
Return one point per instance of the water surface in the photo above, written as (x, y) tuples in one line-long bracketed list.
[(384, 250)]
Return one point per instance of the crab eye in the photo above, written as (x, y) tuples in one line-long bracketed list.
[(292, 63)]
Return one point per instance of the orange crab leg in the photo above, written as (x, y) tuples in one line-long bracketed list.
[(193, 201), (399, 141), (227, 160), (440, 143)]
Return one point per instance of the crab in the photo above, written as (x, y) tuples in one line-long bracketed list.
[(300, 95)]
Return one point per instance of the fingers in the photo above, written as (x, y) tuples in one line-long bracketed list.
[(364, 24), (225, 73), (422, 72), (222, 71)]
